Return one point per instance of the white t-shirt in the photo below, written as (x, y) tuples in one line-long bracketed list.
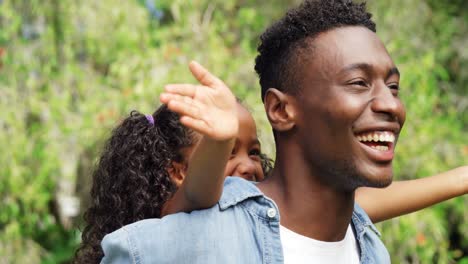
[(299, 249)]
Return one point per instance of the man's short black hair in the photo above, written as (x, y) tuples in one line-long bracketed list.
[(281, 44)]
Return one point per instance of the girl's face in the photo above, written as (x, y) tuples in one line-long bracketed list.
[(245, 159)]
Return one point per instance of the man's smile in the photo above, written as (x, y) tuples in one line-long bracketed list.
[(378, 144)]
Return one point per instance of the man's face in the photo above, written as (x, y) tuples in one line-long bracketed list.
[(349, 112)]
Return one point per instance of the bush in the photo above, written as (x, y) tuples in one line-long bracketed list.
[(73, 69)]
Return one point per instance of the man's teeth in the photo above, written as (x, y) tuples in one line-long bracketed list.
[(382, 148), (377, 137)]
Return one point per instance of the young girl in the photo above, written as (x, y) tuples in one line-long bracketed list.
[(143, 164), (146, 161), (132, 180)]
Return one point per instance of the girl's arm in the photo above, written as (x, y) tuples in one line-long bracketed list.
[(404, 197), (209, 109)]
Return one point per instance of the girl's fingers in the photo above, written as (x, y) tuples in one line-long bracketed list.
[(196, 124), (165, 98), (204, 76), (185, 106), (182, 89)]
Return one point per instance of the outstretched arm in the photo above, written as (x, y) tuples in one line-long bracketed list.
[(404, 197), (209, 109)]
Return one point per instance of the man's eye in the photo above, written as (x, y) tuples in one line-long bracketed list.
[(359, 83)]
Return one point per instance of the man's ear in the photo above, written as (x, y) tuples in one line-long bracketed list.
[(280, 109), (177, 172)]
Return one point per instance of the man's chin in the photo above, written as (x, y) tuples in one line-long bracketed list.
[(348, 177), (377, 176), (378, 181)]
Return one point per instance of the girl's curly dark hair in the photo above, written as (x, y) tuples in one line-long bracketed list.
[(267, 164), (131, 181)]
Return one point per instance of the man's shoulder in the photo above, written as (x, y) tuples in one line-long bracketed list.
[(208, 235), (197, 231), (361, 220), (371, 247)]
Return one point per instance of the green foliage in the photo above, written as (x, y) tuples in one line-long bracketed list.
[(434, 138), (73, 69)]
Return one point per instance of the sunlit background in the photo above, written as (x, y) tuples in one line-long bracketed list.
[(70, 70)]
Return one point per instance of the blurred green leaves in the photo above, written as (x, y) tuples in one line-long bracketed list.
[(72, 69)]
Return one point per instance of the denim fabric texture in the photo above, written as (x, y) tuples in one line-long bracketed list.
[(242, 228)]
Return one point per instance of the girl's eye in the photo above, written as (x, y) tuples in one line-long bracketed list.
[(233, 153), (254, 152), (395, 88)]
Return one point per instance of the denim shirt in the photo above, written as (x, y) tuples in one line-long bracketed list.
[(244, 227)]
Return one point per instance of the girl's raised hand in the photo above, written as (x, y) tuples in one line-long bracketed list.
[(209, 108)]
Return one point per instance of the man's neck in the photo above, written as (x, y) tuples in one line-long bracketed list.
[(308, 206)]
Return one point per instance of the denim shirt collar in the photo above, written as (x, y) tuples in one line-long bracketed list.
[(362, 221), (237, 190)]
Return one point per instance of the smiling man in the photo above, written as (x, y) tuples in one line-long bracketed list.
[(330, 91)]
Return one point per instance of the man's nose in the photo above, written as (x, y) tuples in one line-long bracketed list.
[(388, 105)]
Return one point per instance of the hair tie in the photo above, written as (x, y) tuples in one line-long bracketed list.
[(150, 119)]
